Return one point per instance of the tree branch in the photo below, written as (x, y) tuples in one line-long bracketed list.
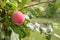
[(38, 3)]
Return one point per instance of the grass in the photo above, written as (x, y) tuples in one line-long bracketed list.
[(50, 20), (37, 36)]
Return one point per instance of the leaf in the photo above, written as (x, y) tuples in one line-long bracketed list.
[(48, 37), (26, 30), (51, 9), (0, 34), (14, 36), (1, 20), (15, 29), (2, 4), (10, 12), (32, 10), (11, 5), (23, 3)]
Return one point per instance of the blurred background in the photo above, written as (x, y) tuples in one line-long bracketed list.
[(50, 14)]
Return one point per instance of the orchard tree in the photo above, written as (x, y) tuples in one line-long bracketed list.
[(16, 14)]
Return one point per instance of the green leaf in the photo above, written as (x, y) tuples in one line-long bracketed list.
[(26, 30), (1, 19), (2, 4), (15, 28), (51, 9), (24, 2), (18, 30), (10, 12), (12, 5), (0, 34), (32, 10), (48, 37)]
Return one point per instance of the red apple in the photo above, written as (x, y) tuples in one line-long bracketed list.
[(18, 18)]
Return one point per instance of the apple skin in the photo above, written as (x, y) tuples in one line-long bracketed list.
[(18, 18)]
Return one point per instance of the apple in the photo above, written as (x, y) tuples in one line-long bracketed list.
[(18, 18)]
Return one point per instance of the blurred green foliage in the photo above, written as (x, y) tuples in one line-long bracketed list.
[(7, 7)]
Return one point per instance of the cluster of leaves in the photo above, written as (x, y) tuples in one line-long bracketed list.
[(7, 7), (6, 25), (51, 10), (35, 11)]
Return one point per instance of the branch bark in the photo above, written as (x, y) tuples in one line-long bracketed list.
[(38, 4)]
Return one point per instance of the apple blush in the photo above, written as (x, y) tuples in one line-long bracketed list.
[(18, 18)]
